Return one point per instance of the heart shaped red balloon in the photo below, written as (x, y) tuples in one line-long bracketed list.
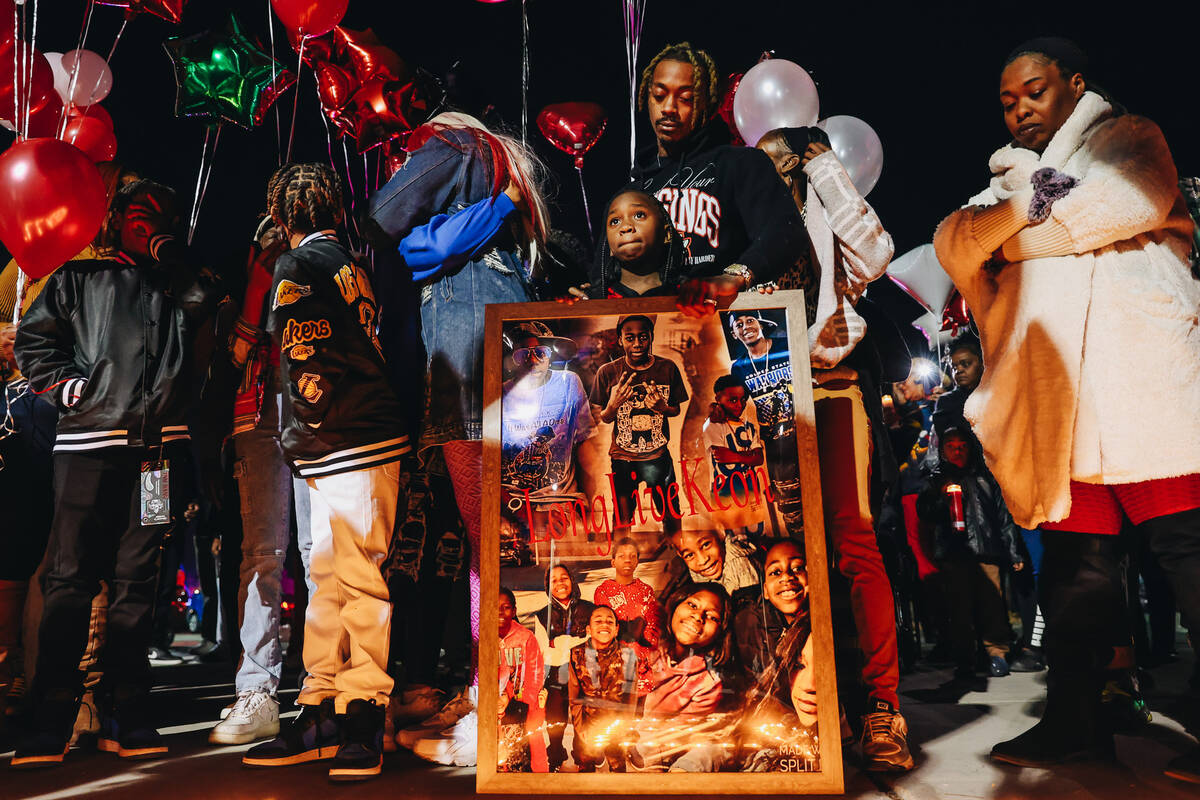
[(573, 128), (335, 87), (54, 202)]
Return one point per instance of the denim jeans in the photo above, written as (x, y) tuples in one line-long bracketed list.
[(265, 485), (452, 314)]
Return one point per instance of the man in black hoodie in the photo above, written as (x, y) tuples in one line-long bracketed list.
[(738, 223)]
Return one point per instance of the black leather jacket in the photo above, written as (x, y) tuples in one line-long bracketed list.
[(991, 534), (110, 342), (342, 414)]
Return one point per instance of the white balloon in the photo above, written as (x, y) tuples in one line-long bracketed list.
[(930, 325), (858, 147), (921, 275), (775, 93), (90, 78), (61, 78)]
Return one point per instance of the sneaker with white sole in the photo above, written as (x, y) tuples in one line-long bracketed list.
[(885, 739), (459, 706), (255, 715), (420, 703), (453, 747)]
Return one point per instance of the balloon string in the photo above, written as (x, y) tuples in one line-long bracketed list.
[(16, 117), (586, 211), (87, 27), (278, 124), (29, 69), (296, 101), (350, 182), (199, 180), (524, 74), (206, 162), (634, 17), (111, 51)]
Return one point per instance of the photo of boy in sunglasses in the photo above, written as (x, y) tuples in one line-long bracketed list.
[(545, 418)]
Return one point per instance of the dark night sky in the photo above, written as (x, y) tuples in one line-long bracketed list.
[(923, 75)]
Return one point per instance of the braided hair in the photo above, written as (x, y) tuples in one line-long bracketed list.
[(606, 269), (304, 198), (707, 82)]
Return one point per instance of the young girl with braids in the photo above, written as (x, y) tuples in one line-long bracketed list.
[(342, 434), (455, 162), (737, 223)]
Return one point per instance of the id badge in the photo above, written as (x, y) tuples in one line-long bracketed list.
[(156, 492)]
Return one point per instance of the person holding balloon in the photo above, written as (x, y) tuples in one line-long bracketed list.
[(87, 344), (737, 223), (849, 248), (1075, 261), (454, 163)]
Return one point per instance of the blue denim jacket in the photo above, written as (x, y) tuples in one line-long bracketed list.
[(439, 178)]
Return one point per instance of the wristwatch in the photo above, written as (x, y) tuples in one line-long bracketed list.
[(741, 271)]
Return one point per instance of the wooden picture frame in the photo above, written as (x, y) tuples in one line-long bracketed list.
[(800, 761)]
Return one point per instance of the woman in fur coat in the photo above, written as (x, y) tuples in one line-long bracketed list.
[(1074, 261)]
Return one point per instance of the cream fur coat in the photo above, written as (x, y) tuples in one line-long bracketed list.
[(1092, 352)]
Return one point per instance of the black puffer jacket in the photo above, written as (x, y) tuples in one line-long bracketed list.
[(110, 342), (991, 534), (342, 415)]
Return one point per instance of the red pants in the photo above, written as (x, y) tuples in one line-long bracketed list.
[(844, 446), (1097, 508)]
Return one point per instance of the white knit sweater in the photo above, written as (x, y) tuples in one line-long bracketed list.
[(851, 249), (1091, 337)]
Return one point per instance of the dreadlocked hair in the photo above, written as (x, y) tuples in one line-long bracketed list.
[(508, 160), (708, 82), (304, 198)]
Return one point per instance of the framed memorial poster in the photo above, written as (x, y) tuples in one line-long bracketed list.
[(654, 552)]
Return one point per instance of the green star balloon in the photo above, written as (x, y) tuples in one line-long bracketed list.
[(225, 77)]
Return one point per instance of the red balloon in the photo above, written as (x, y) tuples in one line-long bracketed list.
[(383, 110), (573, 128), (310, 17), (725, 107), (45, 119), (316, 48), (94, 111), (368, 56), (54, 202), (92, 136), (170, 10), (956, 315), (41, 83), (393, 161), (335, 86)]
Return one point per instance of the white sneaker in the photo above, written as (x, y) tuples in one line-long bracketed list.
[(255, 715), (459, 706), (455, 746), (420, 703)]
